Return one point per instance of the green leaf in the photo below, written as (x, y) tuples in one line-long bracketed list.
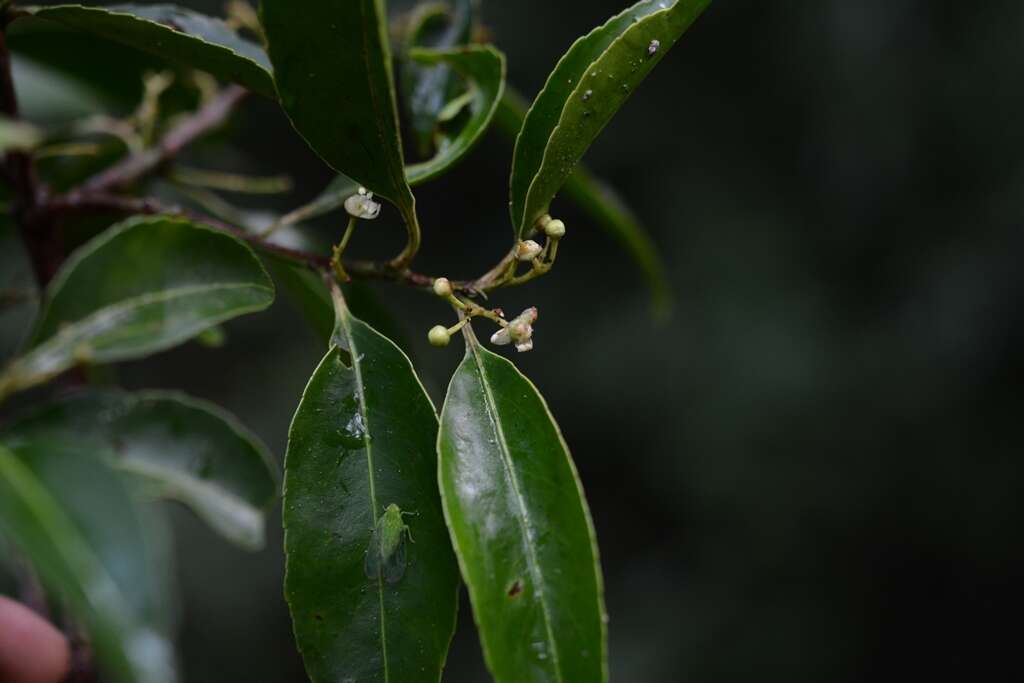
[(178, 447), (427, 89), (362, 440), (175, 34), (520, 526), (604, 206), (588, 86), (332, 67), (484, 68), (141, 287), (99, 550)]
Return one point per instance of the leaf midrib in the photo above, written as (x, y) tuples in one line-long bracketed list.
[(20, 373), (506, 459), (357, 371), (397, 176), (149, 298), (519, 216), (184, 484)]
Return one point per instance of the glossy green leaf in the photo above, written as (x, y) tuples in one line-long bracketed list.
[(177, 35), (332, 67), (520, 527), (178, 447), (588, 86), (602, 205), (426, 88), (483, 67), (361, 441), (141, 287), (98, 549)]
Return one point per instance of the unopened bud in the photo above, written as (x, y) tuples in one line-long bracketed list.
[(528, 250), (443, 287), (439, 336), (555, 229), (542, 222)]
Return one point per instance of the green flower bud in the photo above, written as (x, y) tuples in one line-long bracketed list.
[(439, 336), (555, 229)]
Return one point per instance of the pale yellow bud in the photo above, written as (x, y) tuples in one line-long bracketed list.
[(555, 229), (443, 287), (528, 250), (439, 336)]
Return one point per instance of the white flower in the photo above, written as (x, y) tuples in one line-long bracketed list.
[(362, 205), (528, 250), (525, 346), (519, 331)]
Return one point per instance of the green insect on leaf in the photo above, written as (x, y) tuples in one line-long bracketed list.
[(386, 554)]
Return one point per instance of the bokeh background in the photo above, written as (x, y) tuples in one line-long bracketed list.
[(810, 472)]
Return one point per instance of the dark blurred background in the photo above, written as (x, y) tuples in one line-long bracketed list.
[(811, 472)]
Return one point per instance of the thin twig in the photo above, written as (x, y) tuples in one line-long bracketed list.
[(18, 164), (43, 241), (87, 202), (137, 166)]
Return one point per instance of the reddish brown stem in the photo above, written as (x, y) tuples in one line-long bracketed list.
[(209, 117), (43, 241)]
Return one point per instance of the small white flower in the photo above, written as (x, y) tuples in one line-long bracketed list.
[(519, 331), (528, 250), (501, 337), (362, 205)]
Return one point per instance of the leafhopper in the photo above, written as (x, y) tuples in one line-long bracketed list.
[(386, 555)]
